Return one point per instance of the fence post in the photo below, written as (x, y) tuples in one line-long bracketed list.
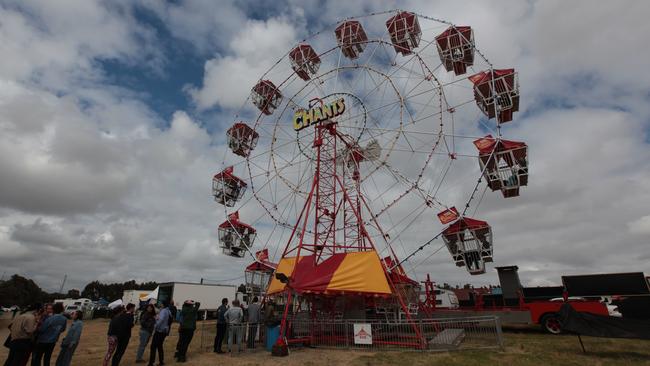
[(497, 325), (347, 334), (423, 340)]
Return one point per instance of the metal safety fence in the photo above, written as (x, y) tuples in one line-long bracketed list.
[(418, 335), (245, 337)]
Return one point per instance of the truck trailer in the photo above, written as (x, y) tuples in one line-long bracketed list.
[(209, 295)]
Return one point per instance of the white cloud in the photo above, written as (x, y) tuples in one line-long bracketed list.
[(97, 185), (640, 225), (229, 79)]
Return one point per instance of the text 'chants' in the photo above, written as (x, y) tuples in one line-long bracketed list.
[(306, 118)]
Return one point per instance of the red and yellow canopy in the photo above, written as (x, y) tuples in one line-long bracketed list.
[(359, 272)]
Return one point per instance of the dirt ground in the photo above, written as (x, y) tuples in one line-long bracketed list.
[(524, 346)]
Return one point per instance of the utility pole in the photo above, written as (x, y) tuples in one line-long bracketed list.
[(65, 277)]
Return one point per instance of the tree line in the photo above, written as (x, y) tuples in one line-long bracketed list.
[(22, 291)]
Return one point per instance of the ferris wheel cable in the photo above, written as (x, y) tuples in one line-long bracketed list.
[(453, 132), (420, 248), (408, 226), (375, 49), (421, 207), (420, 132), (276, 202), (411, 187), (258, 155), (391, 145), (259, 199), (338, 68), (478, 183), (480, 201), (422, 170), (308, 162), (415, 266), (439, 185), (387, 77), (449, 151), (396, 102), (268, 181), (408, 78), (383, 233)]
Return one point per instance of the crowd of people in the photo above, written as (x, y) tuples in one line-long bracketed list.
[(235, 323), (35, 332)]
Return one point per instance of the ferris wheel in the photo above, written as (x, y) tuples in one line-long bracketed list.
[(366, 137)]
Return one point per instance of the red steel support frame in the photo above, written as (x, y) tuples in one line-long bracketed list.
[(326, 185)]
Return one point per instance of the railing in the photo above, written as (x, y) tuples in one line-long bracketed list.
[(419, 335), (208, 329)]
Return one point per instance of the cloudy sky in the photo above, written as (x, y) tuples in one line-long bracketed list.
[(113, 118)]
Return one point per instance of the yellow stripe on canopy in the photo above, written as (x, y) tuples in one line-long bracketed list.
[(360, 272), (285, 266)]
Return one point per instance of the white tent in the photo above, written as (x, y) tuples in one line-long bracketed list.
[(115, 304), (152, 296)]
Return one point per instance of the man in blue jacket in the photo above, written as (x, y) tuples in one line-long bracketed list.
[(48, 335), (71, 340), (222, 326), (160, 331)]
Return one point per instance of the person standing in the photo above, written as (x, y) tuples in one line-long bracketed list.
[(234, 317), (173, 310), (147, 322), (254, 317), (112, 335), (122, 330), (221, 326), (187, 325), (71, 340), (160, 331), (48, 335), (22, 331)]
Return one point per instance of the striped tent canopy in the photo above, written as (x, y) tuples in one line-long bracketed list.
[(355, 272)]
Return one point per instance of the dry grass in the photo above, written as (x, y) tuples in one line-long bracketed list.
[(523, 347)]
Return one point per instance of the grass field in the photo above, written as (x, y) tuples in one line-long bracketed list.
[(526, 346)]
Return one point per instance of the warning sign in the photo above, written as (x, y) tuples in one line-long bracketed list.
[(362, 333)]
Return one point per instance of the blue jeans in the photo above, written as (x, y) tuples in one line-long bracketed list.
[(235, 331), (144, 339), (65, 356)]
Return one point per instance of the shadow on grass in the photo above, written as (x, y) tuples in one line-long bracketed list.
[(617, 355)]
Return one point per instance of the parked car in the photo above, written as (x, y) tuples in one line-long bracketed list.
[(611, 309), (71, 309)]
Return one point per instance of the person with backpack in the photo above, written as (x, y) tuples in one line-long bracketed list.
[(71, 340), (222, 326), (160, 331), (48, 335), (147, 322), (187, 325)]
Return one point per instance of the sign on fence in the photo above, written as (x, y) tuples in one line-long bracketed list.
[(362, 333)]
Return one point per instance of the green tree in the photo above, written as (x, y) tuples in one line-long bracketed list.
[(20, 291)]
